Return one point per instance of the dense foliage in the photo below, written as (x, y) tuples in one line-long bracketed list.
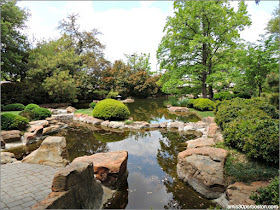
[(13, 122), (267, 195), (110, 109), (251, 126), (13, 107), (204, 104), (14, 44), (198, 40)]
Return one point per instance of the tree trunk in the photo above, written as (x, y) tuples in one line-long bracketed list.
[(210, 89), (260, 90), (204, 88)]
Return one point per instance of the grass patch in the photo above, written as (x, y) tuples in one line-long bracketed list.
[(12, 112), (127, 122), (84, 111), (203, 113), (239, 168)]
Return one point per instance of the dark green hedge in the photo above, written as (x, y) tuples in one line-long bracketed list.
[(13, 107), (110, 109), (13, 122)]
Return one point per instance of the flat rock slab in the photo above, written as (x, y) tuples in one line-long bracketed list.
[(203, 169), (239, 192), (109, 168), (23, 184), (178, 109), (201, 142), (10, 136)]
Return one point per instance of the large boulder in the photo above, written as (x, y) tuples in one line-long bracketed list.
[(10, 136), (7, 157), (239, 192), (52, 152), (203, 169), (74, 187), (109, 168), (177, 125), (44, 123)]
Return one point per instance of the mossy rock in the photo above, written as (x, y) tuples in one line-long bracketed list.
[(110, 109)]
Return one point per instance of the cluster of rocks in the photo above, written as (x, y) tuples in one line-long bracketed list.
[(200, 128), (63, 114), (202, 167), (88, 182), (36, 130)]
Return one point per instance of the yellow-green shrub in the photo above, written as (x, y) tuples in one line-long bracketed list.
[(110, 109)]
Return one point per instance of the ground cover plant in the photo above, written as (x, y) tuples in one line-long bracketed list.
[(110, 109)]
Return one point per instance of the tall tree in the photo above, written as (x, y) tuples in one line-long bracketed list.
[(195, 40), (273, 23), (139, 62), (14, 44), (87, 46)]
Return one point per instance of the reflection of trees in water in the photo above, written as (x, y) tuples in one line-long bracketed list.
[(152, 109), (110, 136), (170, 145), (183, 197), (145, 109), (81, 141)]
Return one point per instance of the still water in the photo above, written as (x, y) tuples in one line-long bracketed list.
[(152, 181)]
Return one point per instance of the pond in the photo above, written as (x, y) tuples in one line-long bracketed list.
[(152, 157)]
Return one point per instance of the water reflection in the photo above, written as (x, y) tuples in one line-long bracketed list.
[(154, 111)]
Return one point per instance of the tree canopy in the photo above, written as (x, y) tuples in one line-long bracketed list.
[(196, 40), (14, 44)]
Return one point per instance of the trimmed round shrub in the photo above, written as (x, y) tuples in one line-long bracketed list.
[(223, 96), (14, 107), (31, 106), (204, 104), (36, 113), (110, 109), (13, 122), (92, 105)]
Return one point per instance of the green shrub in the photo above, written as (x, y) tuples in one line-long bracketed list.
[(112, 94), (13, 122), (110, 109), (204, 104), (274, 100), (173, 101), (92, 105), (242, 95), (36, 113), (227, 111), (190, 103), (14, 107), (268, 195), (31, 106), (183, 102), (256, 135), (223, 96)]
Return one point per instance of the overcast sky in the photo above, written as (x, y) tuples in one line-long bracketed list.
[(126, 26)]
